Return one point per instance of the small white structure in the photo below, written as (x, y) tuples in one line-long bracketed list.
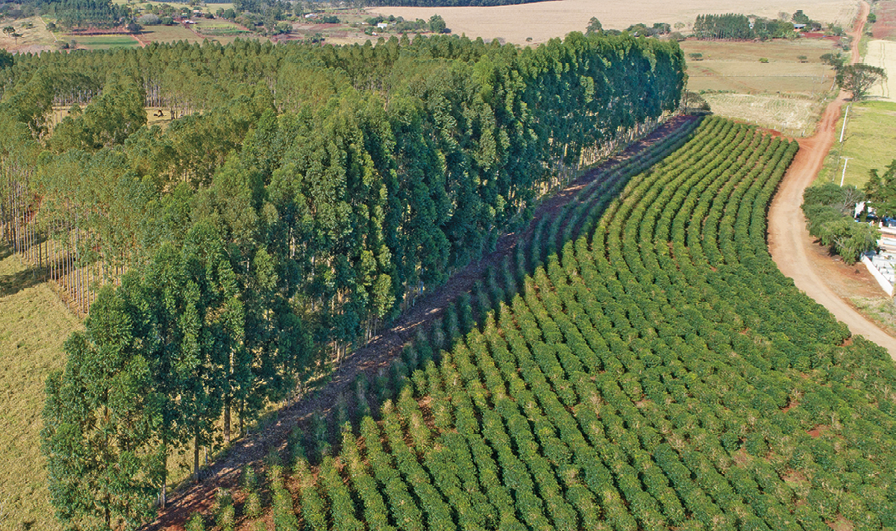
[(382, 25), (882, 267)]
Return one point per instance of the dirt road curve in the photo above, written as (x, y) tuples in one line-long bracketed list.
[(789, 239)]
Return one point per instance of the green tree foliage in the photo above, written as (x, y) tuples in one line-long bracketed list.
[(6, 59), (739, 27), (655, 372), (437, 24), (99, 420), (594, 26), (829, 209), (881, 191), (859, 78), (301, 198)]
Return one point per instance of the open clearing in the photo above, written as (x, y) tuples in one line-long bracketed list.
[(735, 66), (544, 20), (34, 39), (869, 142), (792, 116), (885, 27), (102, 42), (168, 34), (33, 325), (785, 93), (882, 54)]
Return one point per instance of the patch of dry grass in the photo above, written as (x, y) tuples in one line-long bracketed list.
[(34, 39), (33, 326), (791, 115)]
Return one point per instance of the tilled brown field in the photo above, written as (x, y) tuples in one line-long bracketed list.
[(541, 21)]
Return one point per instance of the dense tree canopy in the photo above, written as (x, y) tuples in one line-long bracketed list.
[(302, 197)]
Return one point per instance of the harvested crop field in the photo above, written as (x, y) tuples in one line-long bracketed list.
[(544, 20), (885, 27), (792, 116), (882, 54)]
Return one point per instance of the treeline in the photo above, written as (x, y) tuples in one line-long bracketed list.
[(81, 13), (305, 196), (655, 372), (740, 27)]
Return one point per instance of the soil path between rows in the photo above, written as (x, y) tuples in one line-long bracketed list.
[(789, 240), (381, 350)]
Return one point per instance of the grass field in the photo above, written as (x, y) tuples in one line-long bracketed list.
[(168, 34), (544, 20), (785, 93), (869, 142), (219, 28), (33, 39), (735, 66), (882, 53), (33, 326), (102, 42)]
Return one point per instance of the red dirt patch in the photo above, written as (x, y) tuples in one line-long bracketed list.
[(817, 431), (885, 27)]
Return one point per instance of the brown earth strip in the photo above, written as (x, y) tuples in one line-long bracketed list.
[(790, 244)]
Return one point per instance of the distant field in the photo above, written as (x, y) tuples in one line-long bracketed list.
[(792, 116), (735, 66), (869, 142), (220, 28), (784, 94), (33, 325), (882, 53), (168, 34), (102, 42), (544, 20), (33, 39), (885, 27)]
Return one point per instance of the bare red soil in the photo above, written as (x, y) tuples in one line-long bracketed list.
[(790, 244)]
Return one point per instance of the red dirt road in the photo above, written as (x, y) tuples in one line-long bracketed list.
[(789, 239)]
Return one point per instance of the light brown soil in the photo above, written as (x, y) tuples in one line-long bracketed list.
[(790, 244), (541, 21)]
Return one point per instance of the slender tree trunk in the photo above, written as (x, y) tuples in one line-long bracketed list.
[(196, 455), (227, 422)]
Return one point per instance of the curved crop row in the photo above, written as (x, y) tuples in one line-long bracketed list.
[(657, 372)]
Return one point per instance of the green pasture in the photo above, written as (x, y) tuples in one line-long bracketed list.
[(33, 325), (869, 142)]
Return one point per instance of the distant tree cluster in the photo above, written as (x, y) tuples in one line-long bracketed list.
[(829, 210), (73, 14), (881, 191), (740, 27)]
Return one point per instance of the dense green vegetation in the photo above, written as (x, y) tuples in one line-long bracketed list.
[(658, 372), (73, 14), (830, 210), (739, 27), (304, 196), (881, 191)]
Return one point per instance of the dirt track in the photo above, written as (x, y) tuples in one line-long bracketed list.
[(789, 239)]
